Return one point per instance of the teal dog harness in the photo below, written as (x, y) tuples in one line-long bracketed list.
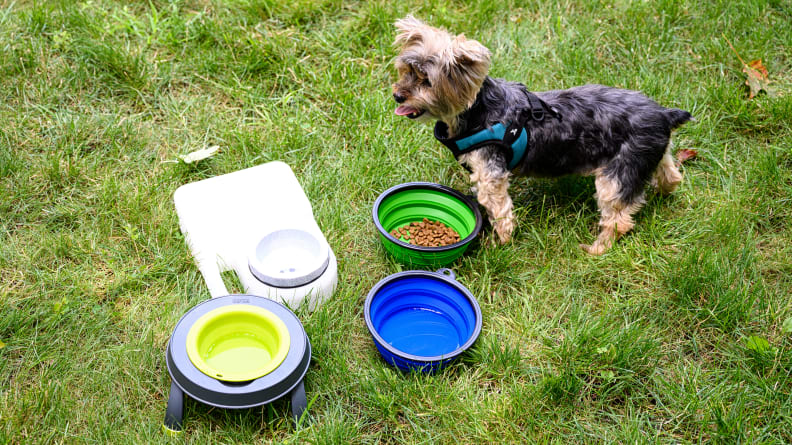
[(511, 137)]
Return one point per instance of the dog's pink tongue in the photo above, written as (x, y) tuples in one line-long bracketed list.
[(404, 110)]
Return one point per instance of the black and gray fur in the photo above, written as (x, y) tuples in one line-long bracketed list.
[(620, 137), (622, 132)]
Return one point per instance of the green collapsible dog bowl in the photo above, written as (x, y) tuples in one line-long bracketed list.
[(412, 202)]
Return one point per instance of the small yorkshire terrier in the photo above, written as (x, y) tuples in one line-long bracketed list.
[(497, 128)]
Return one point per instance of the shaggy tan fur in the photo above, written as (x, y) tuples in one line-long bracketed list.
[(616, 216), (667, 176), (493, 193), (444, 93)]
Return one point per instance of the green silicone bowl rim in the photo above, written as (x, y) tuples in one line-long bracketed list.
[(427, 186), (266, 316)]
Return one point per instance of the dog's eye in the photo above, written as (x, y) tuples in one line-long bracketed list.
[(426, 83)]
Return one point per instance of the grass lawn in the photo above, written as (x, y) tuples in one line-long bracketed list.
[(681, 333)]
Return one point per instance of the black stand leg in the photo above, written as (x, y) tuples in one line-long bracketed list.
[(175, 411), (299, 403)]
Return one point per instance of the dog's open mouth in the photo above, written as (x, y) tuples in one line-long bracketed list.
[(406, 110)]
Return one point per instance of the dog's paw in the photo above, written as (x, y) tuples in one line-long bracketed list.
[(504, 228), (595, 249), (495, 240)]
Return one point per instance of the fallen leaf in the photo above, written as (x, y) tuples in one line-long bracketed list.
[(757, 344), (199, 155), (787, 326), (757, 79), (608, 375), (2, 345), (757, 75), (58, 306), (686, 154)]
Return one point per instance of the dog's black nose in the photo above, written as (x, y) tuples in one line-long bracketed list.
[(398, 98)]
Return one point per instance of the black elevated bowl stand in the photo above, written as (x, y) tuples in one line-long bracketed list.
[(287, 378)]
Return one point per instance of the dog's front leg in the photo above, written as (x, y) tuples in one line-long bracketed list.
[(492, 189)]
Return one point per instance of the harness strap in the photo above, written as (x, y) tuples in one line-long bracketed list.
[(511, 138), (537, 107)]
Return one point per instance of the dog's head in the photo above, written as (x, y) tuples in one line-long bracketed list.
[(439, 73)]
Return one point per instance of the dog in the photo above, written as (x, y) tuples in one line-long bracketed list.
[(497, 128)]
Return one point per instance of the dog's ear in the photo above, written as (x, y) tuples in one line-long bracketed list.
[(410, 30), (470, 52)]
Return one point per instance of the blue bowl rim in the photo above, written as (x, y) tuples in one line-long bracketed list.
[(427, 186), (440, 275)]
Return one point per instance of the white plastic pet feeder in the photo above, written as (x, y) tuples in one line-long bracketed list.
[(259, 223)]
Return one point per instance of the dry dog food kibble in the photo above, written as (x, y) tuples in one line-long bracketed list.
[(427, 233)]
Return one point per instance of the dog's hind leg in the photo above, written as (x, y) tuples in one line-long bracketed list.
[(667, 176), (615, 213), (492, 190)]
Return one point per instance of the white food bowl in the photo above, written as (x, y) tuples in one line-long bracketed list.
[(289, 258)]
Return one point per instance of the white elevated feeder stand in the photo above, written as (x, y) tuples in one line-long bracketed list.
[(258, 218)]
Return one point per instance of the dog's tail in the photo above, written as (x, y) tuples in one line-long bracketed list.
[(677, 117)]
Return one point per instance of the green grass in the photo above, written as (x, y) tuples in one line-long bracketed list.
[(676, 335)]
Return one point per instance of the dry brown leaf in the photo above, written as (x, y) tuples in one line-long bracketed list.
[(686, 155), (757, 75), (757, 79)]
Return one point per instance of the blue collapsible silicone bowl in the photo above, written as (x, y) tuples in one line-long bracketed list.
[(422, 320)]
